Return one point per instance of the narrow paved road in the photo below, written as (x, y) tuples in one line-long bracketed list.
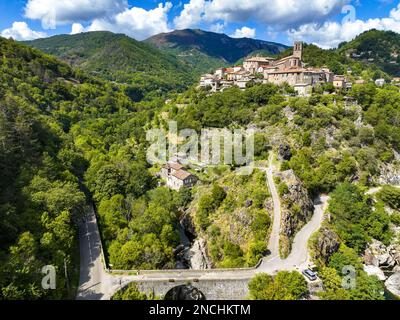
[(376, 190), (276, 224), (299, 258), (93, 277)]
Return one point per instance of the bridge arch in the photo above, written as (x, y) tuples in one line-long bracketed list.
[(210, 289), (184, 292)]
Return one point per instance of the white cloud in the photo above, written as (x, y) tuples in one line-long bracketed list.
[(191, 15), (331, 34), (282, 13), (244, 32), (21, 31), (77, 28), (136, 22), (218, 27), (53, 13)]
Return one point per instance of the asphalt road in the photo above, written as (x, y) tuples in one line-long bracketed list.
[(273, 245), (93, 277)]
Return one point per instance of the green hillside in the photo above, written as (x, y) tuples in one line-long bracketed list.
[(49, 115), (380, 48), (117, 57)]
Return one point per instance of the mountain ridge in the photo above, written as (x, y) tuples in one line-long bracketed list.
[(119, 58), (219, 48)]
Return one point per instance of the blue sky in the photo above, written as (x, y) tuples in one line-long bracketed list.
[(316, 21)]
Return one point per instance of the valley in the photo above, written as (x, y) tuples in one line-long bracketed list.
[(75, 112)]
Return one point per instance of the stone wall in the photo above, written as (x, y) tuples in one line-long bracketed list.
[(212, 289)]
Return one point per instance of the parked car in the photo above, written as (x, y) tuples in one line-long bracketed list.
[(311, 275)]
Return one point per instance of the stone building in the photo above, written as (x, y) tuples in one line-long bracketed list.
[(254, 64), (339, 82), (290, 70), (177, 177)]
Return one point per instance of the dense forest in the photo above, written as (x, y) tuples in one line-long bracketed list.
[(61, 136), (375, 47), (119, 58)]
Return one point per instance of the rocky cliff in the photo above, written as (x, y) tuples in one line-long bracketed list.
[(324, 245), (297, 209), (378, 258)]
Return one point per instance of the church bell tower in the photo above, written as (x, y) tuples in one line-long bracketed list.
[(298, 50)]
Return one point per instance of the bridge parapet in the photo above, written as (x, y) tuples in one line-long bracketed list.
[(212, 289)]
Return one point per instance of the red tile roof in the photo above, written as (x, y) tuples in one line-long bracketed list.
[(175, 166), (181, 174)]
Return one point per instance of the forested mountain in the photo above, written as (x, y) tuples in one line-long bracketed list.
[(40, 198), (208, 50), (374, 47), (67, 139), (43, 168), (117, 57)]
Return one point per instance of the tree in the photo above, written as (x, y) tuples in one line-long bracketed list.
[(131, 292), (345, 257), (113, 216), (333, 288), (284, 286), (391, 196), (354, 220), (258, 285)]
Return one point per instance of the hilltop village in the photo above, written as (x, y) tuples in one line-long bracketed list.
[(290, 70)]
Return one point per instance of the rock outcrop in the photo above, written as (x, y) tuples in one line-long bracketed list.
[(297, 209), (325, 245), (284, 152), (379, 258), (389, 174), (379, 255), (374, 271), (188, 226), (198, 256), (393, 284)]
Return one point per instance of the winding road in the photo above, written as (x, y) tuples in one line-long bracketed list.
[(97, 283), (273, 245)]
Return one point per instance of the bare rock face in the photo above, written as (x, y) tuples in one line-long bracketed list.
[(390, 174), (248, 203), (393, 284), (297, 209), (198, 257), (188, 226), (374, 271), (326, 244), (269, 205), (378, 255), (284, 152), (395, 252)]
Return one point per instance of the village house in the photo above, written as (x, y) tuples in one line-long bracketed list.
[(380, 82), (339, 82), (290, 70), (177, 177), (257, 64)]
